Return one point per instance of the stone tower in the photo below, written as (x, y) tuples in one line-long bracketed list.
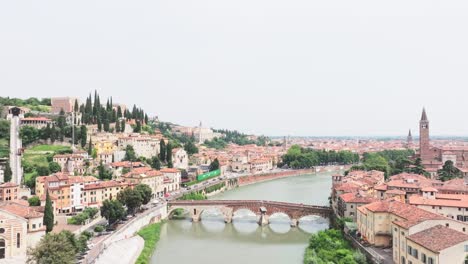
[(424, 141), (409, 140), (15, 146)]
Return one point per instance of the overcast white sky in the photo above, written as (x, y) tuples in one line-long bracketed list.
[(297, 67)]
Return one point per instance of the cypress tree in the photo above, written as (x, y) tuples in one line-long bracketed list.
[(48, 214), (53, 134), (8, 173), (99, 124), (169, 153), (83, 135), (119, 112), (162, 151), (90, 147), (117, 126), (122, 126), (76, 107)]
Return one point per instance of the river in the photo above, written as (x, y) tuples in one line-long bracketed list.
[(211, 241)]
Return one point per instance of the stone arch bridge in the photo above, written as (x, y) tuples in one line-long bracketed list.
[(263, 209)]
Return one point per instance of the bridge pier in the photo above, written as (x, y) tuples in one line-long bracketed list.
[(196, 215), (294, 223), (264, 220), (228, 219)]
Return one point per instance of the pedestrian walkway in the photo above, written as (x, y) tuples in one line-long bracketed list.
[(123, 252)]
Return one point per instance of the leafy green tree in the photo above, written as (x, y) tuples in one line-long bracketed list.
[(83, 135), (54, 167), (43, 170), (7, 174), (130, 154), (48, 214), (29, 134), (4, 129), (53, 249), (162, 150), (190, 148), (103, 173), (34, 201), (145, 192), (449, 171), (130, 198), (112, 210), (119, 111), (155, 163), (214, 165)]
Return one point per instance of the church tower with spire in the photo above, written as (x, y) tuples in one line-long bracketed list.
[(424, 141), (409, 140)]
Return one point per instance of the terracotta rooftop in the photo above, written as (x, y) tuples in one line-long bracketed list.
[(21, 210), (8, 185), (412, 214), (170, 170), (438, 238)]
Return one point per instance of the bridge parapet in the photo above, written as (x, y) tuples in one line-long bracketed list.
[(229, 208)]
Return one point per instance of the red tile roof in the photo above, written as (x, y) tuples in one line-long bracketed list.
[(438, 238), (20, 210)]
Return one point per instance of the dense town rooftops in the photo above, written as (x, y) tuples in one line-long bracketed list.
[(438, 238)]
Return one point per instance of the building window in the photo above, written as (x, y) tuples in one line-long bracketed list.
[(2, 248), (403, 260), (415, 253), (423, 258), (466, 248), (2, 230), (410, 250), (430, 261), (18, 240)]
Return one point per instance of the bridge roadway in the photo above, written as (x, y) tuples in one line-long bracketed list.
[(262, 209)]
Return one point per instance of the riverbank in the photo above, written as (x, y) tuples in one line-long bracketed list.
[(330, 246), (150, 235)]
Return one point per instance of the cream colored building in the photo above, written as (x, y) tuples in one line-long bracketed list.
[(180, 159), (95, 194), (436, 245), (454, 206), (153, 178), (20, 228)]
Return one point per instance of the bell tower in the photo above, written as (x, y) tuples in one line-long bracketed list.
[(424, 141), (409, 140)]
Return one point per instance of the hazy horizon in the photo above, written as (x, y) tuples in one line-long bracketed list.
[(299, 68)]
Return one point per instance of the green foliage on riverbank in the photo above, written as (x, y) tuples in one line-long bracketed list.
[(151, 235), (193, 196), (391, 162), (300, 158), (215, 188), (80, 219), (331, 247)]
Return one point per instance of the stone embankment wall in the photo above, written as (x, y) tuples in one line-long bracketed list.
[(255, 178), (151, 216)]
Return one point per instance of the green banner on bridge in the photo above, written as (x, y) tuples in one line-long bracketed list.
[(208, 175)]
